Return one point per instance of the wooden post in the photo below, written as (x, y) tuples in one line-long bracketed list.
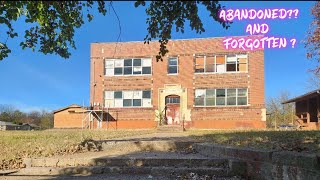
[(318, 108), (292, 114), (308, 113)]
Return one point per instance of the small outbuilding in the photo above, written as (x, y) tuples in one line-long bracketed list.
[(5, 126), (29, 127), (69, 117), (307, 109)]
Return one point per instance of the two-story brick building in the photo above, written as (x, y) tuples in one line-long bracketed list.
[(199, 83)]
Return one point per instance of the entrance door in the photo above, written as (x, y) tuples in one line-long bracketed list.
[(173, 110)]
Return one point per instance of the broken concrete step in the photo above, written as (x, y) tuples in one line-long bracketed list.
[(128, 162), (88, 170), (147, 162), (164, 145)]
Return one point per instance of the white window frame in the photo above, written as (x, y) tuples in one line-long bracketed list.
[(226, 97), (132, 67), (177, 58), (140, 92)]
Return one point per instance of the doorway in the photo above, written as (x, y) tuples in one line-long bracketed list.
[(313, 110), (172, 109)]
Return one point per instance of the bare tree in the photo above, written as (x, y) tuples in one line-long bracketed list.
[(313, 82), (6, 108), (312, 42), (279, 113)]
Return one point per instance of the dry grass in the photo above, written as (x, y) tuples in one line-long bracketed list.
[(19, 144), (298, 141)]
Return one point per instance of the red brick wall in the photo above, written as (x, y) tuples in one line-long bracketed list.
[(65, 119), (214, 117)]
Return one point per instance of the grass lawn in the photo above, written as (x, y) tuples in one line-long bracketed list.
[(19, 144), (298, 141)]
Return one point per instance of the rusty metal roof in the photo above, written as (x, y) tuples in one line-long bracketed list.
[(304, 96)]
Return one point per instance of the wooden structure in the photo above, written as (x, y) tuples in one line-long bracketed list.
[(5, 126), (69, 117), (307, 109)]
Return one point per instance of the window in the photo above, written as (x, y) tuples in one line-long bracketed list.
[(220, 97), (231, 63), (210, 97), (231, 97), (199, 97), (108, 96), (146, 94), (137, 69), (172, 65), (127, 66), (221, 63), (242, 97), (127, 69), (172, 100), (109, 65), (128, 98)]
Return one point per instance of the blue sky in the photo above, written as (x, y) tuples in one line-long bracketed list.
[(33, 81)]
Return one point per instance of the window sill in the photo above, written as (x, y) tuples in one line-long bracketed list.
[(129, 75), (221, 72), (173, 74), (112, 108), (225, 106)]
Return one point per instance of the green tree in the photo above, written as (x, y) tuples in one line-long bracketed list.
[(6, 112), (5, 116), (18, 117), (46, 121), (53, 23)]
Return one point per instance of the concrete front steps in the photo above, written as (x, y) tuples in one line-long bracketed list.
[(172, 167), (170, 128), (151, 158)]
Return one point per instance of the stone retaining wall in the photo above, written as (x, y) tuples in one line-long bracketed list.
[(268, 164)]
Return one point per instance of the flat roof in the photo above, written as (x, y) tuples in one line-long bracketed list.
[(156, 40), (299, 98)]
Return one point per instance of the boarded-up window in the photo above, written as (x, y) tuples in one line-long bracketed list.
[(221, 63), (210, 64), (243, 63), (118, 63), (109, 67), (108, 96), (199, 64)]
